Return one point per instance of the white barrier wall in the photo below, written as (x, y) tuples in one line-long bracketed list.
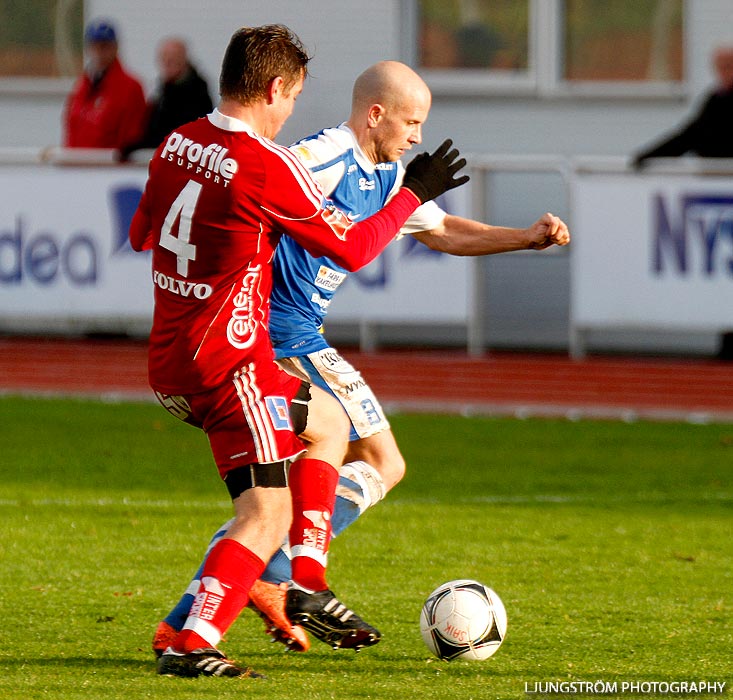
[(65, 261), (408, 283), (652, 251), (66, 264)]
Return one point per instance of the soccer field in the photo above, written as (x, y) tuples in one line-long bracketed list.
[(610, 543)]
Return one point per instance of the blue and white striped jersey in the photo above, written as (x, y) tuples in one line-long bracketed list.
[(303, 286)]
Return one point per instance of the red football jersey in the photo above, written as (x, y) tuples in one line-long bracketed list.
[(217, 199)]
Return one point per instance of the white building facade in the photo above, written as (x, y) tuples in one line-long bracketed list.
[(524, 299)]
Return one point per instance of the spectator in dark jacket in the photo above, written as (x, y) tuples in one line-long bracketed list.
[(182, 94), (708, 133)]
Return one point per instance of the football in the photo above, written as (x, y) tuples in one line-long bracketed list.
[(463, 619)]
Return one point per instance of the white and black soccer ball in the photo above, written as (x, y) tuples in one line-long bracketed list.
[(463, 619)]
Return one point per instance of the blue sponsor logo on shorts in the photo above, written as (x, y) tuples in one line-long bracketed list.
[(277, 407)]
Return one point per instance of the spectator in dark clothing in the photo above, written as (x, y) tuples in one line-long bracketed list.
[(182, 95), (708, 134)]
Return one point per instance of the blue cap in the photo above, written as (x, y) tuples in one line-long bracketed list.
[(99, 30)]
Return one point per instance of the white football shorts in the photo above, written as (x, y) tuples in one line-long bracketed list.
[(328, 370)]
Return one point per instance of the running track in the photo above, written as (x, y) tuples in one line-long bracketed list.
[(446, 381)]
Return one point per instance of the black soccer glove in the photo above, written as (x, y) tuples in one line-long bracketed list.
[(429, 175)]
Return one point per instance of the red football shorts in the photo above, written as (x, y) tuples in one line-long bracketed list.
[(246, 420)]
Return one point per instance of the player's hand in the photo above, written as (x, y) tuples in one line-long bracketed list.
[(548, 230), (429, 175)]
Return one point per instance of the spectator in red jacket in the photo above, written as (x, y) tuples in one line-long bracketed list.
[(106, 108)]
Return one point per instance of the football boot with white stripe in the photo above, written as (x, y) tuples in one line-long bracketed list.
[(329, 620), (201, 662)]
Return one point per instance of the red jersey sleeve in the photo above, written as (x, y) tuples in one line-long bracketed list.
[(317, 224)]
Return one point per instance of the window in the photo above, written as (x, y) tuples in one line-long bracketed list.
[(550, 47), (622, 40), (40, 38), (472, 34)]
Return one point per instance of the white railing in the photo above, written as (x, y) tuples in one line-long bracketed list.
[(651, 250)]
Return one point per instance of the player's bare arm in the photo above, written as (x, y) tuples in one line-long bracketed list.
[(354, 245), (459, 236)]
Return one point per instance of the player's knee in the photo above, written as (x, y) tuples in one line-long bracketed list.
[(393, 471), (390, 464), (262, 518)]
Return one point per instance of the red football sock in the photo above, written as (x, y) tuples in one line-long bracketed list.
[(313, 486), (229, 572)]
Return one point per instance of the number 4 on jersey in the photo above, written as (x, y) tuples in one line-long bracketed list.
[(177, 239)]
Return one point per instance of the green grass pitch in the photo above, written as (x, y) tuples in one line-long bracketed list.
[(611, 545)]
